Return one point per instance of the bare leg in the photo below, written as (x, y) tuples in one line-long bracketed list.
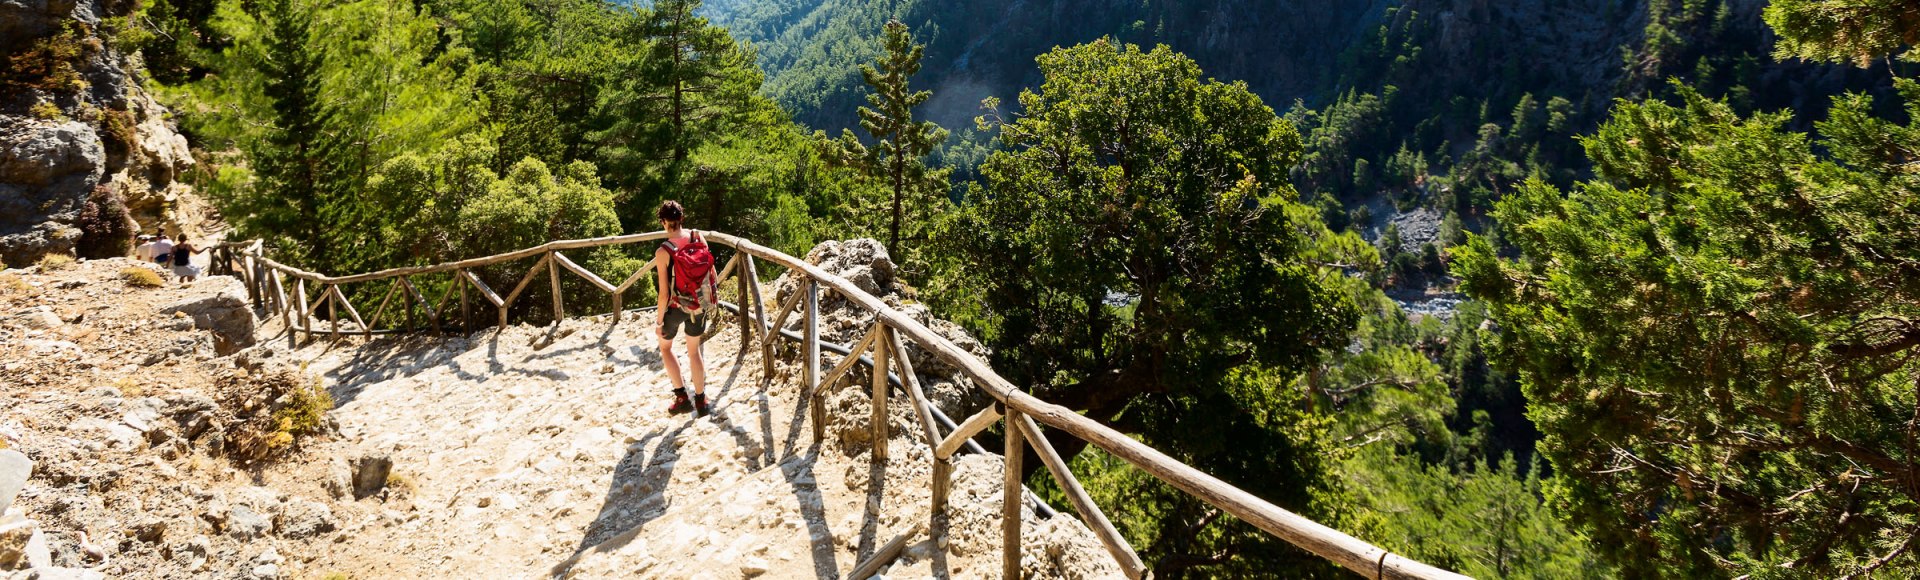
[(699, 365), (673, 365)]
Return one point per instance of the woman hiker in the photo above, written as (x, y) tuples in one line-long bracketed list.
[(683, 255), (183, 260)]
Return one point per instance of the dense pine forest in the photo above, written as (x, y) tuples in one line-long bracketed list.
[(1532, 289)]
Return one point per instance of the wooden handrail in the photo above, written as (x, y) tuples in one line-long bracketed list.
[(1334, 545)]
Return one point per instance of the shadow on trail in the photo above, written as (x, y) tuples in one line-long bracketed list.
[(637, 494), (388, 357)]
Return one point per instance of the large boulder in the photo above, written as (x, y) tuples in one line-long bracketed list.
[(105, 133), (47, 170), (219, 304), (867, 265)]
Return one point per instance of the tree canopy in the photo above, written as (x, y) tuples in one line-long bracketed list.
[(1717, 333)]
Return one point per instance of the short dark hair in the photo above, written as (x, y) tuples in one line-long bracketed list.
[(671, 212)]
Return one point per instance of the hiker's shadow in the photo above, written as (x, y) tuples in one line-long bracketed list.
[(637, 494)]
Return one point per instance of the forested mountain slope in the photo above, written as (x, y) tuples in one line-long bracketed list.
[(980, 49), (1379, 75)]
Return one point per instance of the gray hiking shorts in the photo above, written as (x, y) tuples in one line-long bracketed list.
[(675, 318)]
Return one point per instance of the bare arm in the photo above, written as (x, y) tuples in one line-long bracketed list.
[(660, 261)]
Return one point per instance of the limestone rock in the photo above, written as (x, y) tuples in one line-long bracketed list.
[(304, 519), (370, 475), (151, 530), (54, 573), (15, 468), (339, 478), (243, 523), (143, 414), (224, 311), (47, 170), (39, 319), (17, 536), (190, 554), (753, 567), (265, 572), (193, 412)]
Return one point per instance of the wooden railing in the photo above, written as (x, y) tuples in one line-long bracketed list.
[(283, 290)]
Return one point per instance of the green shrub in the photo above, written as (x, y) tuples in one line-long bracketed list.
[(47, 111)]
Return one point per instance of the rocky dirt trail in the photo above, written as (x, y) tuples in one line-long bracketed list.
[(524, 452)]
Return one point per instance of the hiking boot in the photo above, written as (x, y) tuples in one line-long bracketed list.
[(681, 404), (700, 405)]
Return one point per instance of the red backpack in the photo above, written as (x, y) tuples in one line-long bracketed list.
[(690, 275)]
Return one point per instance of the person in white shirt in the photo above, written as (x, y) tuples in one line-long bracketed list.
[(162, 250), (144, 252)]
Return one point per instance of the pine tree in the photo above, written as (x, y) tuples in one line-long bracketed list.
[(292, 159), (683, 89), (1716, 334), (901, 144)]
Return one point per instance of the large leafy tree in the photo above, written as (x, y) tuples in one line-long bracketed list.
[(901, 144), (1718, 335), (1136, 234), (1138, 254)]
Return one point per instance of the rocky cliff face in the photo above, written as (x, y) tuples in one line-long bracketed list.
[(74, 119)]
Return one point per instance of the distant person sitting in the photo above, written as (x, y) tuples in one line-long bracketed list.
[(162, 250), (144, 251), (685, 270), (183, 261)]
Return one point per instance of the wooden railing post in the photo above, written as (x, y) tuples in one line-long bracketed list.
[(446, 299), (1011, 498), (333, 312), (746, 273), (381, 310), (773, 333), (408, 296), (553, 273), (942, 465), (811, 362), (759, 305), (466, 304), (340, 301), (306, 316), (1090, 513), (881, 345), (911, 383)]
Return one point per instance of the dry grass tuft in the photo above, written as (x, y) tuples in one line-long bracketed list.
[(55, 262), (140, 277), (13, 284), (401, 483)]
